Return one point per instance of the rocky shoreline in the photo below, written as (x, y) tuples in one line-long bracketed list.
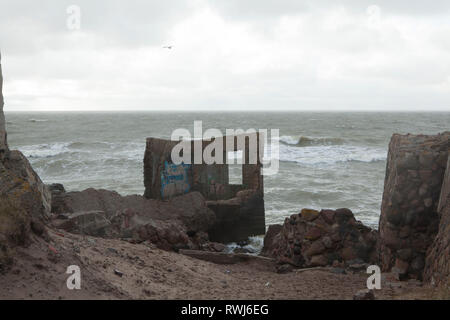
[(413, 240), (44, 228)]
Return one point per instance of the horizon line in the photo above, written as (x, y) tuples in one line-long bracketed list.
[(230, 111)]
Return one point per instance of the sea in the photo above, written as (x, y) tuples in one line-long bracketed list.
[(326, 159)]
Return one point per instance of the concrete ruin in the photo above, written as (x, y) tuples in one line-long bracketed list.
[(410, 212), (437, 264), (239, 208)]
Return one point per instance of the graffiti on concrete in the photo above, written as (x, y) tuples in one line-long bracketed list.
[(174, 179)]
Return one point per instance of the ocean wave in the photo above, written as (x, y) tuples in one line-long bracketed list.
[(38, 120), (303, 141), (328, 155), (104, 150), (45, 150), (94, 145), (253, 246)]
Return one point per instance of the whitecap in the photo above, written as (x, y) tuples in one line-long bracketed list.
[(328, 155), (38, 120)]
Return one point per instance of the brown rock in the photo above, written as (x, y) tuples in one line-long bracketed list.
[(190, 208), (218, 247), (284, 268), (365, 294), (301, 242), (269, 239), (20, 183), (313, 234), (309, 214), (319, 261), (401, 268), (92, 223), (327, 242), (348, 254), (316, 248), (328, 216)]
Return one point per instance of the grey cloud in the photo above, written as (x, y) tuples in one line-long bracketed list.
[(27, 25), (263, 9), (243, 60)]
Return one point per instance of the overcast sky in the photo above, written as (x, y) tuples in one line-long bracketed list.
[(226, 55)]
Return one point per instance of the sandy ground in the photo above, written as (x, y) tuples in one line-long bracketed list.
[(39, 272)]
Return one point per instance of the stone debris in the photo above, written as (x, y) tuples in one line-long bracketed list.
[(118, 273), (284, 268), (180, 223), (319, 238), (228, 258), (365, 294)]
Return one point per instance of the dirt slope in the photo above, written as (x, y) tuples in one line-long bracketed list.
[(150, 273)]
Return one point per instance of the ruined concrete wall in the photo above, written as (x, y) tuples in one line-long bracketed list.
[(409, 219), (239, 209), (161, 180), (3, 141), (239, 217), (437, 268)]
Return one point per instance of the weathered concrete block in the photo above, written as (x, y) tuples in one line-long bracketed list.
[(239, 208), (238, 218), (409, 218), (437, 266)]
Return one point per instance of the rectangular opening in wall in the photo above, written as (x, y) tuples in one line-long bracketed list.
[(235, 167)]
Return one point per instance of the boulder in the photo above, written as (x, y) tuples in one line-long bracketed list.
[(193, 211), (409, 212), (14, 229), (190, 209), (165, 234), (364, 294), (269, 243), (312, 238), (23, 187), (170, 225), (92, 223)]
